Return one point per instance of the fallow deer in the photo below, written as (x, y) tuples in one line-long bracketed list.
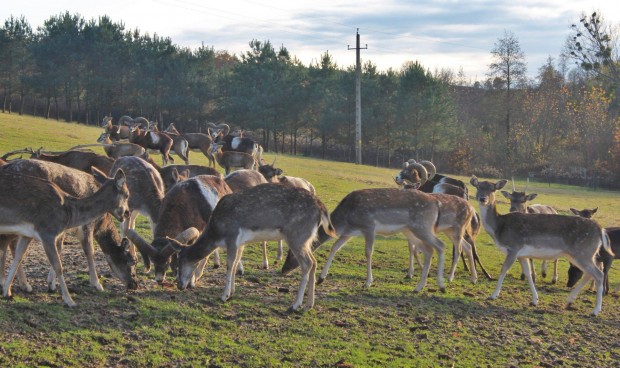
[(103, 229), (38, 209), (521, 236), (288, 213), (81, 160), (116, 150)]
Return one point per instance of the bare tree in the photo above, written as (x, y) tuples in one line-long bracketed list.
[(509, 67)]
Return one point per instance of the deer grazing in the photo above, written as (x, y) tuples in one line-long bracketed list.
[(196, 141), (38, 209), (288, 213), (188, 204), (147, 193), (518, 202), (103, 229), (521, 236), (80, 160), (116, 150)]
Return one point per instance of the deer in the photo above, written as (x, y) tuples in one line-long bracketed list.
[(232, 159), (147, 194), (189, 204), (103, 229), (413, 173), (155, 141), (80, 160), (196, 141), (116, 150), (180, 145), (116, 132), (288, 213), (522, 236), (33, 208), (518, 202), (603, 257)]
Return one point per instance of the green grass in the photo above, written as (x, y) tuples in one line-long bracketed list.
[(386, 325)]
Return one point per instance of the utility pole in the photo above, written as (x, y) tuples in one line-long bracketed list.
[(358, 98)]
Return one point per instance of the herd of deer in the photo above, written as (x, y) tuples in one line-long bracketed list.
[(194, 210)]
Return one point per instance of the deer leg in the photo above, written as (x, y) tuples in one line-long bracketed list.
[(85, 234), (590, 272), (54, 259), (456, 254), (20, 251), (428, 255), (280, 251), (477, 258), (51, 275), (216, 259), (308, 265), (532, 270), (438, 246), (525, 264), (543, 268), (412, 256), (511, 257), (233, 255), (265, 260), (370, 240), (21, 275), (554, 279), (472, 262), (200, 269), (335, 248)]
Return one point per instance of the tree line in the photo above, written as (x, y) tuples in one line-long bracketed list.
[(562, 126)]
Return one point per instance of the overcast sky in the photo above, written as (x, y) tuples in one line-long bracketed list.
[(440, 34)]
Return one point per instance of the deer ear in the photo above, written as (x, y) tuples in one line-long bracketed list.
[(575, 211), (500, 184), (99, 175), (119, 179), (530, 197), (506, 194), (278, 172), (594, 210)]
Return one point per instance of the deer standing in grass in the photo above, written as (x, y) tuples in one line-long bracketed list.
[(522, 236), (38, 209)]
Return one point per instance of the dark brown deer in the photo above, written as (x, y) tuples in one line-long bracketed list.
[(103, 229), (80, 160), (38, 209), (522, 236), (288, 213), (188, 204), (151, 140)]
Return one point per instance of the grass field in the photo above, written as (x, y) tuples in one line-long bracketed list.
[(350, 326)]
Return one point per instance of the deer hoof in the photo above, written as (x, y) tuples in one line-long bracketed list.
[(320, 280)]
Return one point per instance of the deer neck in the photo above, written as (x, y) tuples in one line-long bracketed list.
[(85, 210), (490, 217)]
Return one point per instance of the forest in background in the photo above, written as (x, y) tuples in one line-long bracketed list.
[(561, 127)]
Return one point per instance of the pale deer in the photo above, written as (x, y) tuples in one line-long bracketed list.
[(288, 213), (521, 236), (116, 150), (38, 209)]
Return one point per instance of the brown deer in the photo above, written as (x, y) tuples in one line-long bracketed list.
[(116, 132), (288, 213), (81, 160), (188, 204), (522, 236), (103, 229), (197, 142), (38, 209), (232, 159), (116, 150)]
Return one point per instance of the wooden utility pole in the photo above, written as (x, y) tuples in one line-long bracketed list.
[(358, 98)]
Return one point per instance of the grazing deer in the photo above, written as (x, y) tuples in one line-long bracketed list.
[(288, 213), (147, 193), (103, 229), (188, 204), (171, 174), (197, 142), (521, 236), (518, 202), (38, 209), (116, 150)]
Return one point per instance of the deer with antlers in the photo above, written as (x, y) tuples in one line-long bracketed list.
[(522, 236)]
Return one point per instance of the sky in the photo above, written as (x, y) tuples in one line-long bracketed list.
[(440, 34)]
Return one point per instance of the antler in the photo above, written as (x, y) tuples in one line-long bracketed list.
[(16, 152)]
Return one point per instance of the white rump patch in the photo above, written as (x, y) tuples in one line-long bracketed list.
[(209, 194), (235, 143), (247, 235), (154, 137)]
